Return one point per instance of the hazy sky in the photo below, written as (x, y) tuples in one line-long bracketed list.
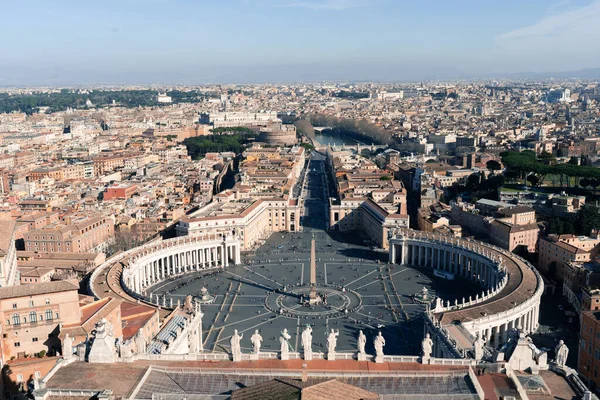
[(197, 41)]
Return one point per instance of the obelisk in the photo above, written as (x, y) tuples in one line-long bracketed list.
[(313, 272)]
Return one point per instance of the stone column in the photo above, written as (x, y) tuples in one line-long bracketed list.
[(392, 255)]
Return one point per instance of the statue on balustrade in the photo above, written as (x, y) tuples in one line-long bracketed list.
[(361, 341), (236, 349), (561, 353), (379, 343), (478, 348), (307, 342), (284, 344), (256, 340), (427, 347)]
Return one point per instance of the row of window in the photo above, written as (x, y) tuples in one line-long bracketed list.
[(31, 303), (33, 317), (18, 344)]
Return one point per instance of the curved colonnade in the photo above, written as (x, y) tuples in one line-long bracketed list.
[(512, 288), (152, 263)]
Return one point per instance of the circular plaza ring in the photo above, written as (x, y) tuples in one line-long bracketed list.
[(335, 302)]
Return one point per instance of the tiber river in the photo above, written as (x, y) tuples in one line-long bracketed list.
[(330, 138)]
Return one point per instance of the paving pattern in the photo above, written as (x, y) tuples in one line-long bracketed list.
[(364, 292)]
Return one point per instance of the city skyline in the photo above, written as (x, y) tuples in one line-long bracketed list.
[(254, 41)]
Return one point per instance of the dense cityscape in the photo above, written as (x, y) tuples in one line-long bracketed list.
[(240, 241)]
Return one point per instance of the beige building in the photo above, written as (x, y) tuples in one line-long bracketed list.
[(555, 251), (32, 314), (514, 228), (80, 236), (249, 220)]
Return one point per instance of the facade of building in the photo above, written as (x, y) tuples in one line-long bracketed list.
[(31, 316), (80, 236), (555, 251), (589, 337)]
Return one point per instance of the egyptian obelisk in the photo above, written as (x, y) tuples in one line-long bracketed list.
[(313, 273)]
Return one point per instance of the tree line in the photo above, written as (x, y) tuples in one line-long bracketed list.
[(359, 129), (198, 146), (529, 167)]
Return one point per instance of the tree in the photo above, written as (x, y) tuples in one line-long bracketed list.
[(533, 179), (574, 160), (588, 218), (493, 166), (305, 128)]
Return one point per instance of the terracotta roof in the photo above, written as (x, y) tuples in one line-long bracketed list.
[(10, 292)]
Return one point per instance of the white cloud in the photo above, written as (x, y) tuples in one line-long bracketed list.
[(579, 21), (314, 4)]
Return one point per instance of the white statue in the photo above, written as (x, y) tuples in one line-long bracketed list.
[(427, 346), (379, 342), (478, 346), (285, 346), (332, 341), (362, 341), (140, 343), (236, 349), (256, 340), (189, 307), (193, 340), (561, 353), (307, 342), (67, 347)]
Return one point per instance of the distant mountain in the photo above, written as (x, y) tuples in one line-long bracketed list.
[(239, 74), (588, 73)]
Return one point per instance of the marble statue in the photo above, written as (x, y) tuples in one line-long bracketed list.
[(256, 340), (307, 342), (236, 349), (362, 341), (478, 347), (332, 340), (67, 347), (140, 343), (427, 346), (189, 307), (561, 353), (379, 342), (193, 341), (285, 346)]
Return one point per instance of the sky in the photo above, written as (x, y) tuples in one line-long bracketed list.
[(254, 41)]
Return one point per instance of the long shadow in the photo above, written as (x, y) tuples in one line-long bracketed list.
[(253, 284)]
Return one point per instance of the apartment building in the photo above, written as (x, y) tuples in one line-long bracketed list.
[(32, 314), (80, 236), (555, 251), (589, 337)]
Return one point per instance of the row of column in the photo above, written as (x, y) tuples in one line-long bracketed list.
[(527, 322), (188, 260), (470, 267)]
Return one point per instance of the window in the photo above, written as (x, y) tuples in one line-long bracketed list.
[(38, 374), (14, 305), (16, 319), (17, 344), (47, 301), (48, 315), (34, 339), (32, 317), (31, 303), (20, 378)]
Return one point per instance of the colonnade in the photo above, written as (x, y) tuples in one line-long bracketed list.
[(462, 263), (498, 311), (151, 268)]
